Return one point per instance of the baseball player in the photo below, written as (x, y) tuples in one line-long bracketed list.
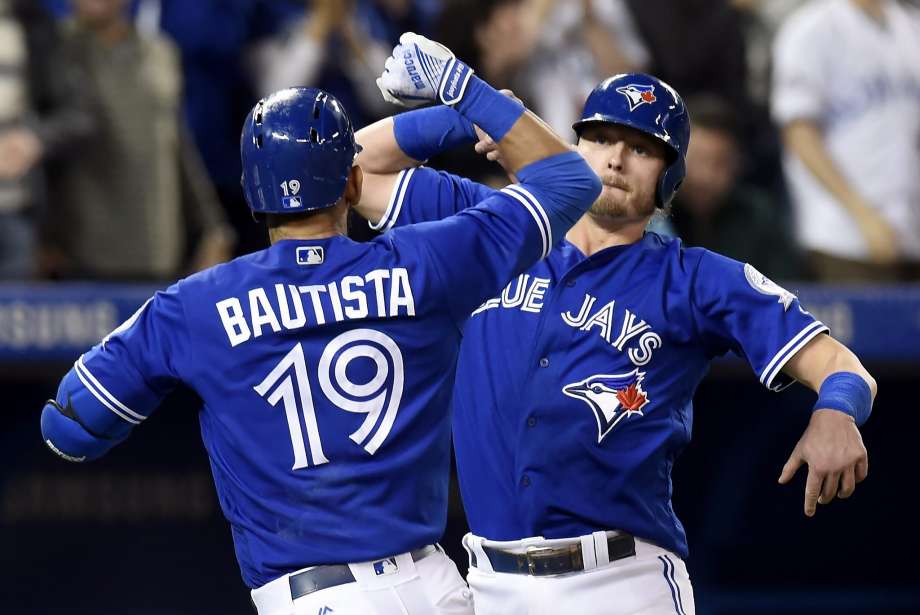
[(574, 385), (325, 366)]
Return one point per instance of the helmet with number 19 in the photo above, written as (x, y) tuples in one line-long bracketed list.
[(297, 149)]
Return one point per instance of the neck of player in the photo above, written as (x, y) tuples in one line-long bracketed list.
[(323, 224), (593, 233)]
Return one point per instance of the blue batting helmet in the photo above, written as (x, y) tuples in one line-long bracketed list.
[(297, 150), (650, 105)]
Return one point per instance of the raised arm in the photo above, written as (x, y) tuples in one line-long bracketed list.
[(477, 251), (831, 445)]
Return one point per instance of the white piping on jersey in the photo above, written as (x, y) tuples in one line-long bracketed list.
[(789, 350), (103, 395), (395, 203), (536, 211)]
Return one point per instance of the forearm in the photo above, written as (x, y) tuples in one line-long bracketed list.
[(528, 141), (803, 138), (381, 153), (605, 51), (822, 357), (522, 137)]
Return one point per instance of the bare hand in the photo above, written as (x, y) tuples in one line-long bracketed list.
[(215, 247), (836, 457), (20, 150), (880, 237), (327, 16)]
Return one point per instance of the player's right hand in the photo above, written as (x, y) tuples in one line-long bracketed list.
[(881, 239), (413, 72)]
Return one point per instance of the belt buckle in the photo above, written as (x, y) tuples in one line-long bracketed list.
[(534, 553)]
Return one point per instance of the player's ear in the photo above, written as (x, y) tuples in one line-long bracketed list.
[(353, 186)]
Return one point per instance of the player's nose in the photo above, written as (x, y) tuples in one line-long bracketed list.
[(615, 155)]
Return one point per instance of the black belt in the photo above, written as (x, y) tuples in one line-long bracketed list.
[(332, 575), (545, 561)]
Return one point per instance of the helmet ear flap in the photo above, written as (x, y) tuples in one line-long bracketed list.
[(671, 179)]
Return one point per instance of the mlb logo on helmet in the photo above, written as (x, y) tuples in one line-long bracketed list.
[(638, 94), (310, 255), (386, 566), (291, 202)]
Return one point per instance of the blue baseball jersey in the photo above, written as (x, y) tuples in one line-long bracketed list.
[(574, 385), (325, 368)]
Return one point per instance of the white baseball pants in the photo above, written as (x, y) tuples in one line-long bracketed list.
[(429, 586), (653, 582)]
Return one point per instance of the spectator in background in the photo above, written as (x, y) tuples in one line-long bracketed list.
[(496, 38), (847, 94), (698, 46), (213, 36), (339, 46), (42, 113), (714, 210), (579, 43), (128, 205), (695, 45), (760, 21)]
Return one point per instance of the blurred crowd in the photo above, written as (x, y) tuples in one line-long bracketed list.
[(120, 119)]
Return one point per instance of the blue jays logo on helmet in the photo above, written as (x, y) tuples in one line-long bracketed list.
[(647, 104), (612, 397), (638, 94), (297, 149)]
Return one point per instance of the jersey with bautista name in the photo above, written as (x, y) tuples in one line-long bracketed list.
[(574, 385), (325, 369)]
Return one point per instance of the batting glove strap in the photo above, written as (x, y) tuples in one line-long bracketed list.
[(848, 393), (454, 79)]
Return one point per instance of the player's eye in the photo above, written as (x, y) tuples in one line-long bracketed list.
[(640, 150)]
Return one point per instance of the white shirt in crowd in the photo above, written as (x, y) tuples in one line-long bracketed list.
[(859, 81)]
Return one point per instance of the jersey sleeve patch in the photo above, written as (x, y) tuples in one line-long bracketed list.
[(766, 286)]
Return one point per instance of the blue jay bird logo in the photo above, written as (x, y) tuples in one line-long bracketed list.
[(638, 94), (611, 396)]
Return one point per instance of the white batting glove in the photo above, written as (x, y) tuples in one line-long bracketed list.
[(414, 72)]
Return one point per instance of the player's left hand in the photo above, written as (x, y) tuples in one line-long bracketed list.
[(837, 460)]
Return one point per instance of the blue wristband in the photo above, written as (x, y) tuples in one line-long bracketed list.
[(478, 101), (424, 133), (846, 392)]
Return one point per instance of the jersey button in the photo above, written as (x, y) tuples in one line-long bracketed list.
[(525, 481), (544, 362), (531, 422), (570, 283)]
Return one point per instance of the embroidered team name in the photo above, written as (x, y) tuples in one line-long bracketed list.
[(624, 331), (524, 293), (632, 330), (381, 293)]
